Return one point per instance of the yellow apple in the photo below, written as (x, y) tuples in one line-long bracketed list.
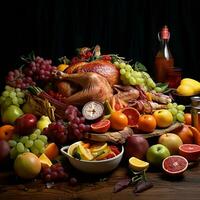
[(171, 141), (163, 118)]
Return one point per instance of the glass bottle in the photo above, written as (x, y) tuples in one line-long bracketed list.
[(195, 111), (164, 62)]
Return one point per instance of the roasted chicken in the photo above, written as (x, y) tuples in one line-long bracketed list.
[(93, 87)]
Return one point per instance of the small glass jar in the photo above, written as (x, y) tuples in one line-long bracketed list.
[(195, 111)]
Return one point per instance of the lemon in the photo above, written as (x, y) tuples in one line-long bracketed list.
[(84, 152), (99, 147), (185, 90), (45, 160), (137, 164), (190, 81)]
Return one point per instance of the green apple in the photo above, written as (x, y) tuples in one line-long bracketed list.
[(156, 154), (11, 113), (171, 141)]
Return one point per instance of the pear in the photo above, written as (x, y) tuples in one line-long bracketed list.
[(43, 122)]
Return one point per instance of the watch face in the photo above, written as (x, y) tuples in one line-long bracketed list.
[(92, 110)]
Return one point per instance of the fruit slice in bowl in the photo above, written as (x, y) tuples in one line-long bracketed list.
[(190, 151), (175, 165), (89, 162)]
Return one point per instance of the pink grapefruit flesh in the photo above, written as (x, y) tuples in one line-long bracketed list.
[(174, 165), (132, 115), (190, 151)]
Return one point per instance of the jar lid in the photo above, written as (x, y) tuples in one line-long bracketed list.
[(195, 100)]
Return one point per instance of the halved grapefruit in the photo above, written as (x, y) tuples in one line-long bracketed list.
[(174, 165), (101, 126), (133, 116), (190, 151)]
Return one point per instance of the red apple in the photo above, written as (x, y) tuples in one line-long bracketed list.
[(25, 124), (136, 146), (4, 150)]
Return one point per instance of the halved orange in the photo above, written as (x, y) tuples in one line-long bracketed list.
[(133, 116)]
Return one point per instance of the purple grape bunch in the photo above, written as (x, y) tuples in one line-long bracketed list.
[(57, 132), (76, 123), (17, 79), (55, 172), (40, 69)]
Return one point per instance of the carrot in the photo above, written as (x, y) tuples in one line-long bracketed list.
[(196, 134)]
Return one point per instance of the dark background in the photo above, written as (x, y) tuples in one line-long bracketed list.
[(126, 27)]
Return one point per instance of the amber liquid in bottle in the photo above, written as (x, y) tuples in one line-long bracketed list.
[(164, 61)]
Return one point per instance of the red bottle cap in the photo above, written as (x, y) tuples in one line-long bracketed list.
[(165, 34)]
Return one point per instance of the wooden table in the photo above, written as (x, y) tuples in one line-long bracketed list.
[(93, 187)]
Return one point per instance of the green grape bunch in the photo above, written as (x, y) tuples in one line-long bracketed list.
[(12, 96), (35, 143), (130, 76), (177, 111)]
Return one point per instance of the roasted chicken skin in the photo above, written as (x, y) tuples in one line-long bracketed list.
[(104, 68)]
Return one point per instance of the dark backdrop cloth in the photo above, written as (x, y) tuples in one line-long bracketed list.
[(126, 27)]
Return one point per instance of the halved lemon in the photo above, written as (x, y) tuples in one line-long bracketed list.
[(137, 164), (98, 147), (44, 160)]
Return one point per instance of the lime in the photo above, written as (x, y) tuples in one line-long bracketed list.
[(137, 164)]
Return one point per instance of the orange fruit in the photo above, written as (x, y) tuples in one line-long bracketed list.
[(27, 165), (163, 118), (51, 151), (185, 134), (147, 123), (188, 118), (118, 120), (6, 132), (101, 126), (133, 116)]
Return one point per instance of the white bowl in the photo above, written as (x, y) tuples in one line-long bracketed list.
[(92, 167)]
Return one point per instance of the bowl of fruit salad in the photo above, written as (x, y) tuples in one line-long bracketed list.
[(93, 157)]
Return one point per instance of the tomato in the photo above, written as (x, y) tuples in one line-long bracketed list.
[(147, 123), (118, 120)]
